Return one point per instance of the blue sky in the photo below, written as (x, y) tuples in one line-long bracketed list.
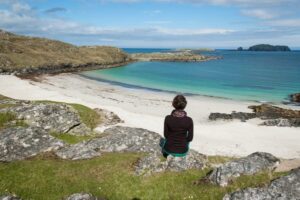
[(156, 23)]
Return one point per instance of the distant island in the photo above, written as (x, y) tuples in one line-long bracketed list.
[(266, 47)]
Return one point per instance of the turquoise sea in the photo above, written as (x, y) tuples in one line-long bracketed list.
[(258, 76)]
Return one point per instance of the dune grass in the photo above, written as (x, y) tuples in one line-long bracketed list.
[(111, 176), (5, 118)]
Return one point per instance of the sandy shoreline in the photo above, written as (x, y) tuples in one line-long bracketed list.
[(147, 109)]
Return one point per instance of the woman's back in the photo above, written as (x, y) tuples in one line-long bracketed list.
[(178, 129)]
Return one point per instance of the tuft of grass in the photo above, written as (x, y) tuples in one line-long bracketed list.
[(219, 159), (72, 139), (88, 116), (5, 118), (111, 176)]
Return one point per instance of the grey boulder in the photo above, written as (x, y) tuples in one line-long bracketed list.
[(284, 188), (20, 143), (83, 196), (249, 165)]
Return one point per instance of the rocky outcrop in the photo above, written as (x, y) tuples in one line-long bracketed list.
[(295, 98), (20, 143), (83, 196), (9, 197), (274, 116), (266, 111), (234, 115), (249, 165), (126, 139), (154, 163), (286, 187), (53, 117), (172, 57), (108, 118)]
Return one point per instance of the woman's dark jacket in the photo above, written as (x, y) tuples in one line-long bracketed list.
[(178, 131)]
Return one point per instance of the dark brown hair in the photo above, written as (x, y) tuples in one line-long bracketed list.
[(179, 102)]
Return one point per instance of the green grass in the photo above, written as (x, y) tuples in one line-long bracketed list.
[(110, 176), (88, 116), (72, 139), (5, 118), (2, 97), (219, 159)]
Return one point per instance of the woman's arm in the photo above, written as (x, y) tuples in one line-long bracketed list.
[(190, 132), (166, 129)]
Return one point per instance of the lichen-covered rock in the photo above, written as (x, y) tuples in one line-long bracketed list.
[(108, 118), (126, 139), (249, 165), (234, 115), (156, 163), (295, 122), (9, 197), (20, 143), (56, 117), (284, 188), (115, 139), (83, 196)]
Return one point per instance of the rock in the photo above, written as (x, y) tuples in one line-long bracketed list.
[(108, 118), (295, 97), (83, 196), (249, 165), (9, 197), (286, 187), (266, 111), (20, 143), (267, 47), (234, 115), (154, 163), (295, 122), (53, 117), (126, 139)]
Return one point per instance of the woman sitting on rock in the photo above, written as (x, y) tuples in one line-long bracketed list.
[(178, 130)]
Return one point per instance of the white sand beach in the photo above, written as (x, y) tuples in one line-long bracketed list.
[(147, 109)]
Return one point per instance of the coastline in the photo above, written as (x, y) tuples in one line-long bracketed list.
[(146, 109)]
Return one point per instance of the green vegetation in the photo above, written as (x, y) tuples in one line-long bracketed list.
[(72, 139), (88, 116), (20, 51), (219, 159), (5, 118), (111, 175)]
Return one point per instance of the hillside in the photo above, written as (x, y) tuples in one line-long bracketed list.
[(24, 54)]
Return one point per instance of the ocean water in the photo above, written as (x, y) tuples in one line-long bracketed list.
[(257, 76)]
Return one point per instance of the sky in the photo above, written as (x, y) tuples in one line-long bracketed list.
[(156, 23)]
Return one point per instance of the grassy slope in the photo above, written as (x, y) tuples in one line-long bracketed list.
[(20, 51), (47, 178), (111, 176)]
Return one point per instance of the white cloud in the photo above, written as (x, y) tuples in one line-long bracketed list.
[(286, 22), (259, 13)]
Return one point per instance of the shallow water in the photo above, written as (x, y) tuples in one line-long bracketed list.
[(258, 76)]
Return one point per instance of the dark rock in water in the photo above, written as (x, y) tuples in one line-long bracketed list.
[(56, 117), (295, 97), (295, 122), (266, 111), (249, 165), (126, 139), (108, 118), (243, 116), (20, 143), (240, 49), (9, 197), (284, 188), (83, 196)]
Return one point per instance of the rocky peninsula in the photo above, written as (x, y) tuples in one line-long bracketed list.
[(179, 56)]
